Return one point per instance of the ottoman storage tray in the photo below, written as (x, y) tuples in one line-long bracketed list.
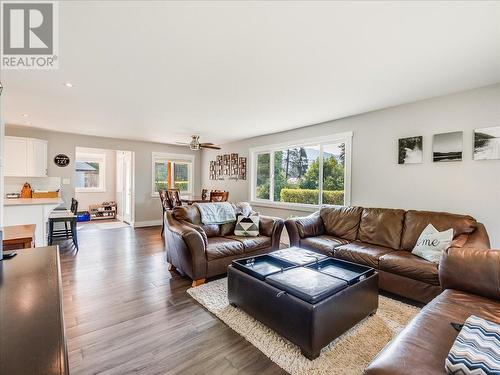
[(262, 266), (309, 313), (350, 272), (308, 285)]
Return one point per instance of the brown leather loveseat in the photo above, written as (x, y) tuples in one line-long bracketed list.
[(471, 282), (383, 238), (202, 251)]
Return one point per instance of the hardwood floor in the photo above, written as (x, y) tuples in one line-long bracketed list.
[(126, 313)]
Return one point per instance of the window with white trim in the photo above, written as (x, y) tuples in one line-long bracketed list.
[(90, 172), (306, 174), (171, 171)]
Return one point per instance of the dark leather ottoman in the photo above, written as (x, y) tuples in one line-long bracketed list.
[(309, 318)]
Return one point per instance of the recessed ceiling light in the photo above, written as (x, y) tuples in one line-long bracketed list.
[(25, 115), (68, 84)]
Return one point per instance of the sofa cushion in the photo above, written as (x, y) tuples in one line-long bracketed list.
[(382, 226), (406, 264), (242, 208), (416, 221), (341, 221), (253, 243), (247, 226), (423, 344), (323, 244), (310, 226), (191, 214), (362, 253), (211, 230), (220, 247)]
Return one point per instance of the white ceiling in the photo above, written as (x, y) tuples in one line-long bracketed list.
[(161, 71)]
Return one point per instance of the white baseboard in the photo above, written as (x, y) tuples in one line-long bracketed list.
[(147, 223)]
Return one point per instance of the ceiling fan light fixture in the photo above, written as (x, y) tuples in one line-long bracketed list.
[(194, 145)]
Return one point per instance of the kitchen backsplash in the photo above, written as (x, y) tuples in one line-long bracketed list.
[(15, 184)]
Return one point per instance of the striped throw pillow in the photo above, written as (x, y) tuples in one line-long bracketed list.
[(247, 226), (476, 350)]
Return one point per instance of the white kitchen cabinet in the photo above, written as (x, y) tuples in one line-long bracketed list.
[(37, 158), (25, 157), (16, 156)]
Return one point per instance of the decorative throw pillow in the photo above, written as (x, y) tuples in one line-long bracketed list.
[(247, 226), (431, 243), (476, 350)]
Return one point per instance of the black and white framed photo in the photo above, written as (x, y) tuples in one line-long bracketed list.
[(234, 165), (410, 150), (242, 168), (487, 143), (448, 147)]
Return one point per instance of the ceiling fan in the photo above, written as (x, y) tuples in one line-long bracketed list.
[(195, 144)]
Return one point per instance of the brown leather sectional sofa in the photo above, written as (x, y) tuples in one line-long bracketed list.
[(383, 238), (471, 282), (202, 251)]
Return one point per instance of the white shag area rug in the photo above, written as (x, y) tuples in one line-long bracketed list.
[(349, 354)]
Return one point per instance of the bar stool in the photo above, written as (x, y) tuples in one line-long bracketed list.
[(66, 217)]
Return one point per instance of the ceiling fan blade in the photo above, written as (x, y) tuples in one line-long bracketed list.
[(212, 147), (206, 144), (182, 143)]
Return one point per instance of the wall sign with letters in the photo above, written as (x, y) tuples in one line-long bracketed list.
[(61, 160)]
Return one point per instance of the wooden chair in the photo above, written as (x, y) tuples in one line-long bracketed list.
[(66, 217), (219, 196), (165, 206), (174, 197)]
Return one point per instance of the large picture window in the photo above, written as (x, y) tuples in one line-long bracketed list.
[(172, 172), (90, 171), (315, 172)]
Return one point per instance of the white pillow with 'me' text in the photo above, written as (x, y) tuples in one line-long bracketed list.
[(431, 243)]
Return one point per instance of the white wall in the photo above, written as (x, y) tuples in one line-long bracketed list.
[(467, 187), (87, 198)]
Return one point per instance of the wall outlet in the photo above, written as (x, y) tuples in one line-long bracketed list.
[(66, 181)]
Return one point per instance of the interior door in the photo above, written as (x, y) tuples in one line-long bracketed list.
[(127, 186)]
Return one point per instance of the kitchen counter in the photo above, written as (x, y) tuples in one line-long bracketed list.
[(20, 211), (31, 201)]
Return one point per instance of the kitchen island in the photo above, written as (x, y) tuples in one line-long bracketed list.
[(31, 211)]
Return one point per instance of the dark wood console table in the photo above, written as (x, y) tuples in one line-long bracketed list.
[(32, 338)]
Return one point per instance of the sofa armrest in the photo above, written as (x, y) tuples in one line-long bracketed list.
[(271, 227), (302, 227), (478, 239), (472, 270), (186, 246)]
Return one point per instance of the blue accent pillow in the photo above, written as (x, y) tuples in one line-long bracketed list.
[(476, 350)]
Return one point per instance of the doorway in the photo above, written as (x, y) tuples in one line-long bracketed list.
[(125, 186)]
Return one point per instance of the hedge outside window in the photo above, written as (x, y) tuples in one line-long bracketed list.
[(311, 174), (171, 174)]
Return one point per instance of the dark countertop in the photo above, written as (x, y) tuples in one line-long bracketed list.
[(32, 339)]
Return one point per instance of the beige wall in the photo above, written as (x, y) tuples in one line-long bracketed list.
[(469, 187), (147, 208)]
